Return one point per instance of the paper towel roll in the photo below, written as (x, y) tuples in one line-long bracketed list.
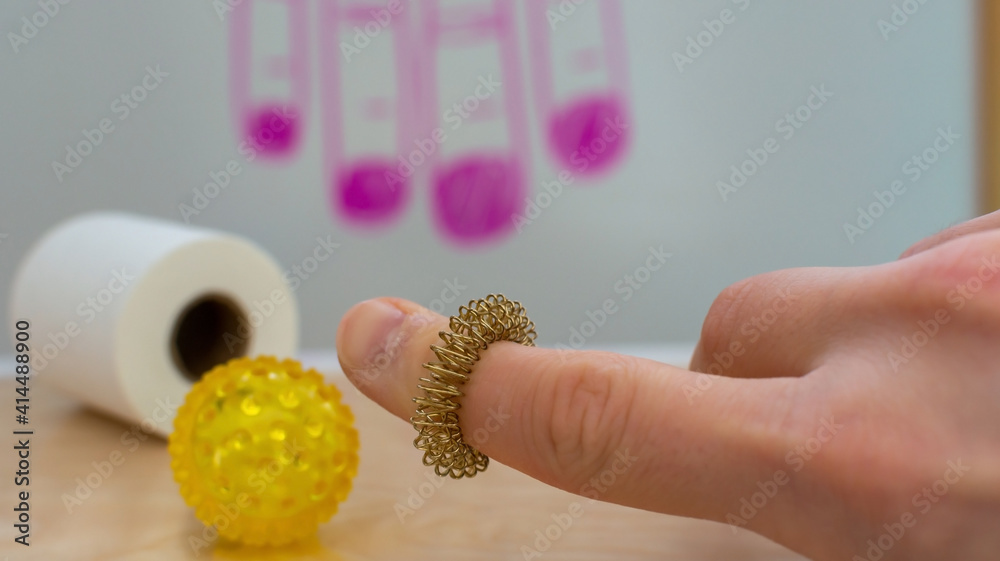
[(127, 312)]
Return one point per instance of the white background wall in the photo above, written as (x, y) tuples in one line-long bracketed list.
[(890, 96)]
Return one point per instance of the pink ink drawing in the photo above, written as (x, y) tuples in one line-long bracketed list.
[(271, 123), (383, 88), (366, 188), (587, 131), (476, 189)]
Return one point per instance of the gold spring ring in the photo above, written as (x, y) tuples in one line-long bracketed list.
[(481, 322)]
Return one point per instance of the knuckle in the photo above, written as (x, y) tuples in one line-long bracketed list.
[(587, 414), (723, 316), (966, 271)]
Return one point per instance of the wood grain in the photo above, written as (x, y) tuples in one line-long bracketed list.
[(136, 512)]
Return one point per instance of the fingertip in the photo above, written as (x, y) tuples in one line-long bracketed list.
[(364, 328), (381, 344)]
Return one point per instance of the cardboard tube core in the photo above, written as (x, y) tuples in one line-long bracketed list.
[(205, 335)]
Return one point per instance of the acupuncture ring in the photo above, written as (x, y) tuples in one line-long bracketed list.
[(481, 322)]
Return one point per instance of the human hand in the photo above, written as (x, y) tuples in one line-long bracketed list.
[(847, 413)]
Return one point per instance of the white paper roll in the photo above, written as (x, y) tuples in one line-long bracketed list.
[(127, 312)]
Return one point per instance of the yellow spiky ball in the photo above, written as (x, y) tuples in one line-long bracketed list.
[(263, 450)]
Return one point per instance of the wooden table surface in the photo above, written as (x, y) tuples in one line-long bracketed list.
[(136, 513)]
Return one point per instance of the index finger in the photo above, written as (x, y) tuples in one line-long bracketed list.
[(683, 447)]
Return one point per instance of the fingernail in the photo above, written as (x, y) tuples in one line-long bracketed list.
[(366, 331)]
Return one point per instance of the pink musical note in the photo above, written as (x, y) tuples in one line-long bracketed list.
[(269, 91), (587, 127), (475, 187), (366, 187)]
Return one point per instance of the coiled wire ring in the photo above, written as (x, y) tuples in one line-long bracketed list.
[(481, 322)]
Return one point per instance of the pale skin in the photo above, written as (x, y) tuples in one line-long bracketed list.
[(864, 401)]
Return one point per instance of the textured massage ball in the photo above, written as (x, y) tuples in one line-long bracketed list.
[(264, 451)]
